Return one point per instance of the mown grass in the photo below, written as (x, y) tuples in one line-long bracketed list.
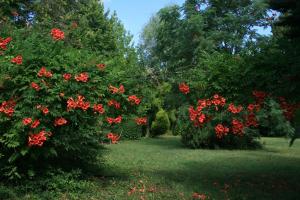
[(163, 169)]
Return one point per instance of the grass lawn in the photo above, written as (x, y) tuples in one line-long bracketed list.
[(163, 169)]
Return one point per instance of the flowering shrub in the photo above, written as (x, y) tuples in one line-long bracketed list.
[(56, 104), (216, 122)]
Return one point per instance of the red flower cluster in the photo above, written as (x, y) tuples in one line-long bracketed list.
[(44, 109), (134, 100), (218, 101), (114, 103), (141, 121), (35, 86), (17, 60), (27, 121), (43, 72), (99, 108), (221, 131), (38, 139), (237, 127), (233, 109), (259, 96), (184, 88), (196, 116), (193, 113), (67, 76), (35, 123), (253, 107), (79, 103), (113, 137), (57, 34), (60, 121), (115, 90), (4, 42), (288, 109), (117, 120), (101, 66), (8, 108), (82, 77), (251, 120)]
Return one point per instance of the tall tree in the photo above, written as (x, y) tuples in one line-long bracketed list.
[(278, 58), (232, 23)]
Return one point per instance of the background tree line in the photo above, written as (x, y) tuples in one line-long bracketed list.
[(211, 44), (215, 47)]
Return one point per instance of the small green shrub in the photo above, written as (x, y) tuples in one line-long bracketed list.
[(161, 124), (273, 121)]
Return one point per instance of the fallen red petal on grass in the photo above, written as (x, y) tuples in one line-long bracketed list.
[(142, 189), (132, 190), (199, 196), (142, 198), (151, 189)]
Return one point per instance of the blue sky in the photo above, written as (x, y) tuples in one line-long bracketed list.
[(136, 13)]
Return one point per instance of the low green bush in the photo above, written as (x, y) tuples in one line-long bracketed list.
[(273, 121), (161, 124)]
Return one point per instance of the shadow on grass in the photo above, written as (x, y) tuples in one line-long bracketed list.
[(166, 142), (232, 179)]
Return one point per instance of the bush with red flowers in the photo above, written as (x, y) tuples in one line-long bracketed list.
[(218, 123), (214, 122), (57, 103)]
